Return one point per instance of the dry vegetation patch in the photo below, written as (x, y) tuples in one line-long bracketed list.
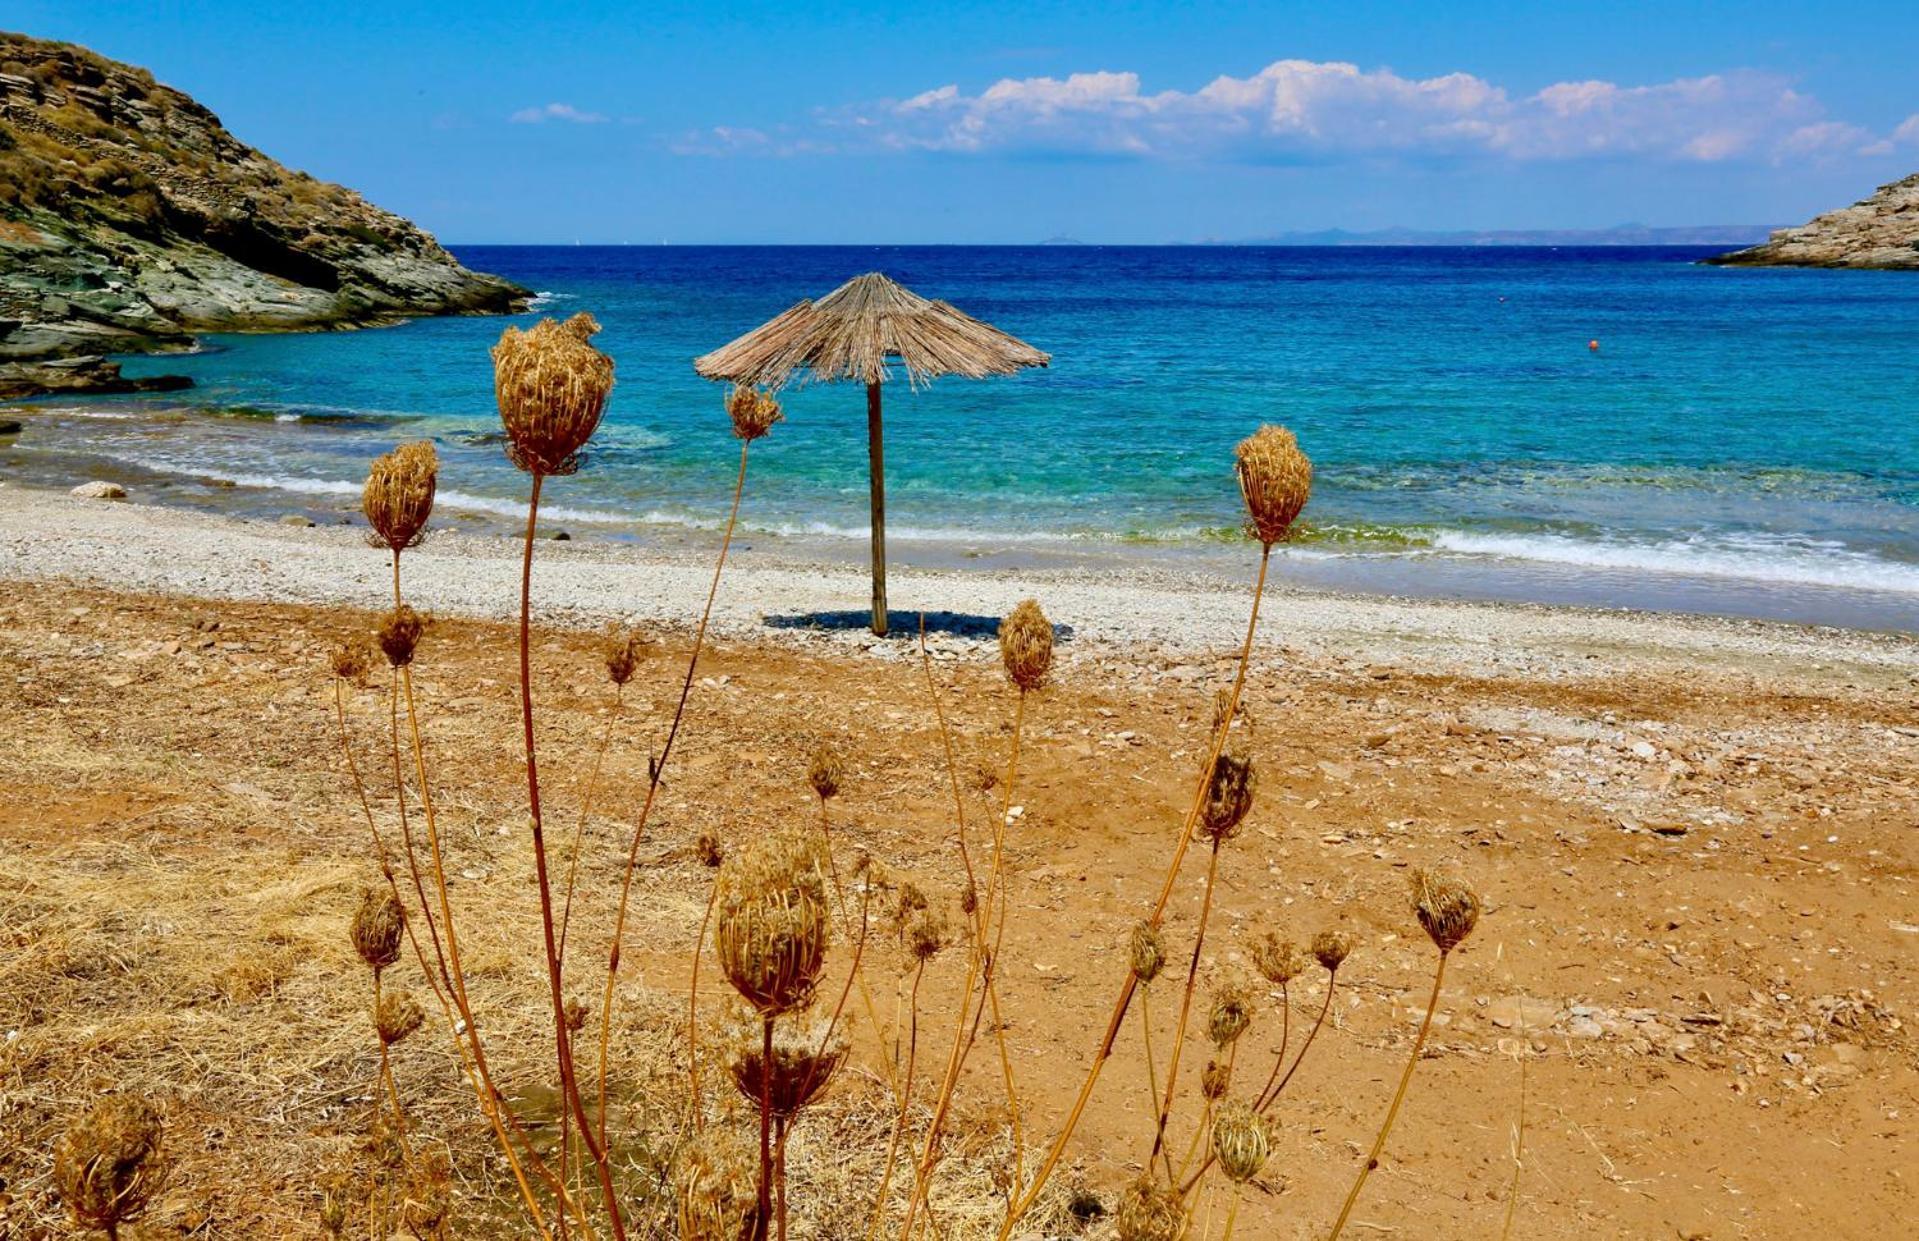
[(1716, 1021)]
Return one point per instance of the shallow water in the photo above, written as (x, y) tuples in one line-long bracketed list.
[(1741, 441)]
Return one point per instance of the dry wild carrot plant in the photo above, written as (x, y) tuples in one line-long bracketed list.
[(770, 936), (749, 425), (770, 914), (1026, 655), (1275, 479), (1448, 911), (398, 500), (109, 1165)]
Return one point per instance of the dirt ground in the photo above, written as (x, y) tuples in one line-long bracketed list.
[(1698, 939)]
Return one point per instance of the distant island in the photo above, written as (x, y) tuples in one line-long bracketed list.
[(1619, 235), (1881, 231), (131, 219)]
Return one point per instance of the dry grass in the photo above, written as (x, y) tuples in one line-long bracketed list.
[(184, 854)]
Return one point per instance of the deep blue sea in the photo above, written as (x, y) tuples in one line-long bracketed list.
[(1742, 441)]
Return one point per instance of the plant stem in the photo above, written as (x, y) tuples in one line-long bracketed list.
[(447, 956), (562, 1037), (779, 1176), (906, 1101), (653, 789), (1185, 1009), (586, 809), (1152, 1068), (1279, 1057), (1266, 1100), (1058, 1149), (981, 959), (1332, 980), (766, 1128), (693, 1012), (386, 1069), (1392, 1113), (1232, 1214)]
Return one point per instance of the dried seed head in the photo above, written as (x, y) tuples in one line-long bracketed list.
[(1274, 479), (771, 920), (109, 1165), (399, 633), (1215, 1080), (804, 1061), (1447, 908), (1026, 645), (753, 412), (925, 937), (429, 1195), (623, 650), (1240, 1141), (1229, 796), (985, 777), (398, 1015), (350, 662), (969, 898), (1331, 948), (907, 901), (377, 927), (551, 385), (1148, 1211), (398, 497), (707, 849), (716, 1184), (384, 1144), (333, 1205), (826, 771), (575, 1015), (1148, 951), (1232, 1012), (1277, 960)]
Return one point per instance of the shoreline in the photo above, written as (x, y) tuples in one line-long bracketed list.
[(260, 463), (1153, 615)]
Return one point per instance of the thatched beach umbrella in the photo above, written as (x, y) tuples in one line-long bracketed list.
[(854, 332)]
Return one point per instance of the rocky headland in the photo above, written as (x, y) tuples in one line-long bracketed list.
[(1879, 232), (130, 219)]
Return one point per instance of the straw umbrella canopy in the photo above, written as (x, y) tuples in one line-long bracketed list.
[(856, 332)]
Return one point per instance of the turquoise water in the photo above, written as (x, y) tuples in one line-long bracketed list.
[(1741, 441)]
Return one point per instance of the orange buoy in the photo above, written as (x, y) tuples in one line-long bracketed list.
[(1593, 345)]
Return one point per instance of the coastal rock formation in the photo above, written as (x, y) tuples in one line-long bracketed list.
[(1881, 231), (81, 374), (131, 219)]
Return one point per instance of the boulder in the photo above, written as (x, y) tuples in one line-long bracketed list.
[(100, 489)]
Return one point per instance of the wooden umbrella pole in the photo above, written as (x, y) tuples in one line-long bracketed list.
[(876, 462)]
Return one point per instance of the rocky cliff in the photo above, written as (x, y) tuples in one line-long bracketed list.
[(131, 219), (1881, 231)]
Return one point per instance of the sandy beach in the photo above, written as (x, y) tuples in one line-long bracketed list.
[(1695, 841), (1122, 610)]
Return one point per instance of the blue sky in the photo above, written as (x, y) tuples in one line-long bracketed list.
[(1113, 122)]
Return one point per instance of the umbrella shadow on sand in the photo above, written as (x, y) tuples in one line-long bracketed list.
[(952, 624)]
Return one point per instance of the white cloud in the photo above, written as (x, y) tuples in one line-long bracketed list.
[(1301, 110), (742, 140), (556, 112)]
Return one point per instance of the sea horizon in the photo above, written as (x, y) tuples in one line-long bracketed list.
[(1730, 446)]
